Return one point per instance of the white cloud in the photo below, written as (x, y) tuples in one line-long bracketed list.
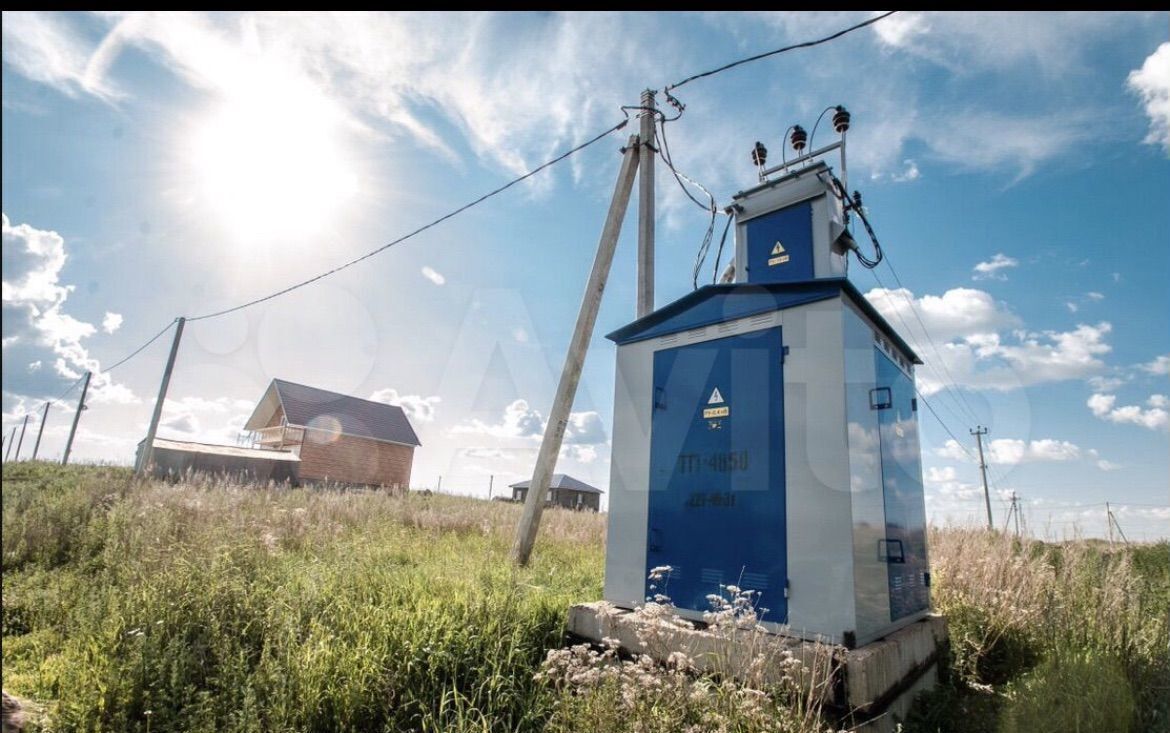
[(900, 29), (1104, 406), (959, 312), (433, 275), (1105, 465), (1160, 365), (490, 453), (520, 335), (415, 406), (1010, 452), (909, 172), (1014, 451), (1094, 295), (938, 475), (965, 326), (1152, 84), (1158, 400), (34, 316), (521, 421), (112, 322), (993, 269), (217, 421)]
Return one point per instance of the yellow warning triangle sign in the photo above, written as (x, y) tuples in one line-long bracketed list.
[(778, 249), (715, 397)]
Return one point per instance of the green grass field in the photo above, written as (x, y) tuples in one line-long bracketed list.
[(136, 606)]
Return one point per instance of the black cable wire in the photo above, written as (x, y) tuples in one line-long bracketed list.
[(812, 135), (806, 44), (420, 230), (719, 252), (137, 351)]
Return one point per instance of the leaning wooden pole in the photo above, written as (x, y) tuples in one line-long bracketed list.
[(146, 456), (554, 431), (41, 430), (76, 418)]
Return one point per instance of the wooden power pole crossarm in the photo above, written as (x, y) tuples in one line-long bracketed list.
[(554, 431)]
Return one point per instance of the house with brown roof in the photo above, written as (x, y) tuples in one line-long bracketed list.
[(337, 438), (563, 490)]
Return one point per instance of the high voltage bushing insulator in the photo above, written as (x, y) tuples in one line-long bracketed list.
[(841, 119), (799, 137), (759, 154)]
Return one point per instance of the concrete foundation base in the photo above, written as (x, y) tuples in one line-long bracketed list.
[(870, 687)]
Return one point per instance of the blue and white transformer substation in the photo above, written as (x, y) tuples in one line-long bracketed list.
[(765, 434)]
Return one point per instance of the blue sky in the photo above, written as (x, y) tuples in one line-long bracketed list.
[(1015, 167)]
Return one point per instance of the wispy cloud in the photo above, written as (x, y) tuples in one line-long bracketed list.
[(433, 275), (993, 269)]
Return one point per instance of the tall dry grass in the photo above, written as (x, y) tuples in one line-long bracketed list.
[(1031, 621)]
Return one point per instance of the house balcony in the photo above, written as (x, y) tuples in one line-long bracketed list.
[(280, 437)]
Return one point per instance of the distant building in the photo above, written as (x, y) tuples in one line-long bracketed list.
[(564, 490), (337, 438)]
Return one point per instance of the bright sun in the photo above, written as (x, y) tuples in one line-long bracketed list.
[(270, 165)]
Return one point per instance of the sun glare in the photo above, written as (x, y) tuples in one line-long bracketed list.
[(270, 165)]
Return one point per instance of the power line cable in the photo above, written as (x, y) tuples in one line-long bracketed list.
[(419, 230), (930, 339), (898, 314), (139, 350), (806, 44)]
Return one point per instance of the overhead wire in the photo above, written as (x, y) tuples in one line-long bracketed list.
[(140, 349), (435, 222), (784, 49)]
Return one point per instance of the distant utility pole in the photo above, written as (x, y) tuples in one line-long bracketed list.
[(491, 482), (1111, 520), (11, 438), (440, 486), (76, 418), (1013, 513), (554, 430), (646, 205), (41, 431), (979, 432), (20, 443), (147, 456)]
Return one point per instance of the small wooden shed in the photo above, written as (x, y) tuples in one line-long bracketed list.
[(564, 490), (337, 438)]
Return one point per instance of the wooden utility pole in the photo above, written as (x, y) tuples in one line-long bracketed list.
[(979, 432), (20, 443), (41, 431), (11, 438), (491, 482), (646, 205), (147, 455), (554, 430), (76, 417)]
